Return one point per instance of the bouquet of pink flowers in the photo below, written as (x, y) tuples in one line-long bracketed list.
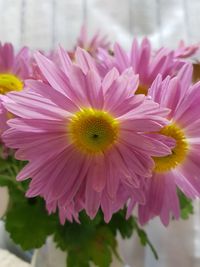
[(92, 135)]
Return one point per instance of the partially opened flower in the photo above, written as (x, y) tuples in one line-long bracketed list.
[(91, 45), (144, 61), (84, 136), (182, 168)]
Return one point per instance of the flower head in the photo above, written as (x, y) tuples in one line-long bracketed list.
[(181, 168), (13, 70), (144, 62), (84, 136), (17, 66), (91, 45)]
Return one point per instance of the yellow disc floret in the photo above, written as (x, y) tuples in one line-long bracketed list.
[(9, 82), (167, 163), (142, 89), (93, 131)]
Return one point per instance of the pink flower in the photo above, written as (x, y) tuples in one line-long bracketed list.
[(13, 70), (18, 64), (84, 137), (90, 45), (182, 168), (146, 63)]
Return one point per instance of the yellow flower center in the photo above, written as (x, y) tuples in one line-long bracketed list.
[(142, 89), (196, 72), (93, 131), (167, 163), (9, 82)]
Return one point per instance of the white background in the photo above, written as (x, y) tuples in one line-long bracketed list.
[(44, 23)]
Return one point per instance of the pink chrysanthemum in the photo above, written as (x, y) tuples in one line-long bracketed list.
[(145, 62), (13, 70), (91, 45), (182, 168), (10, 63), (84, 136)]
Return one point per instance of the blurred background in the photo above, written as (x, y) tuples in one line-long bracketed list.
[(43, 24)]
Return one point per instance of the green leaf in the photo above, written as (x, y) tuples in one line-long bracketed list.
[(185, 205), (27, 221), (119, 223), (77, 259), (9, 168), (90, 241), (101, 247), (72, 235), (6, 181), (145, 241), (95, 240)]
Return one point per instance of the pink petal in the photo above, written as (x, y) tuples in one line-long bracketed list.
[(65, 60), (84, 60), (53, 74)]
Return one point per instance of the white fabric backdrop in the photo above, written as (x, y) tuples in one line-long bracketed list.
[(44, 23)]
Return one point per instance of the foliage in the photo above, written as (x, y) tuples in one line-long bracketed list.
[(186, 206), (29, 225)]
